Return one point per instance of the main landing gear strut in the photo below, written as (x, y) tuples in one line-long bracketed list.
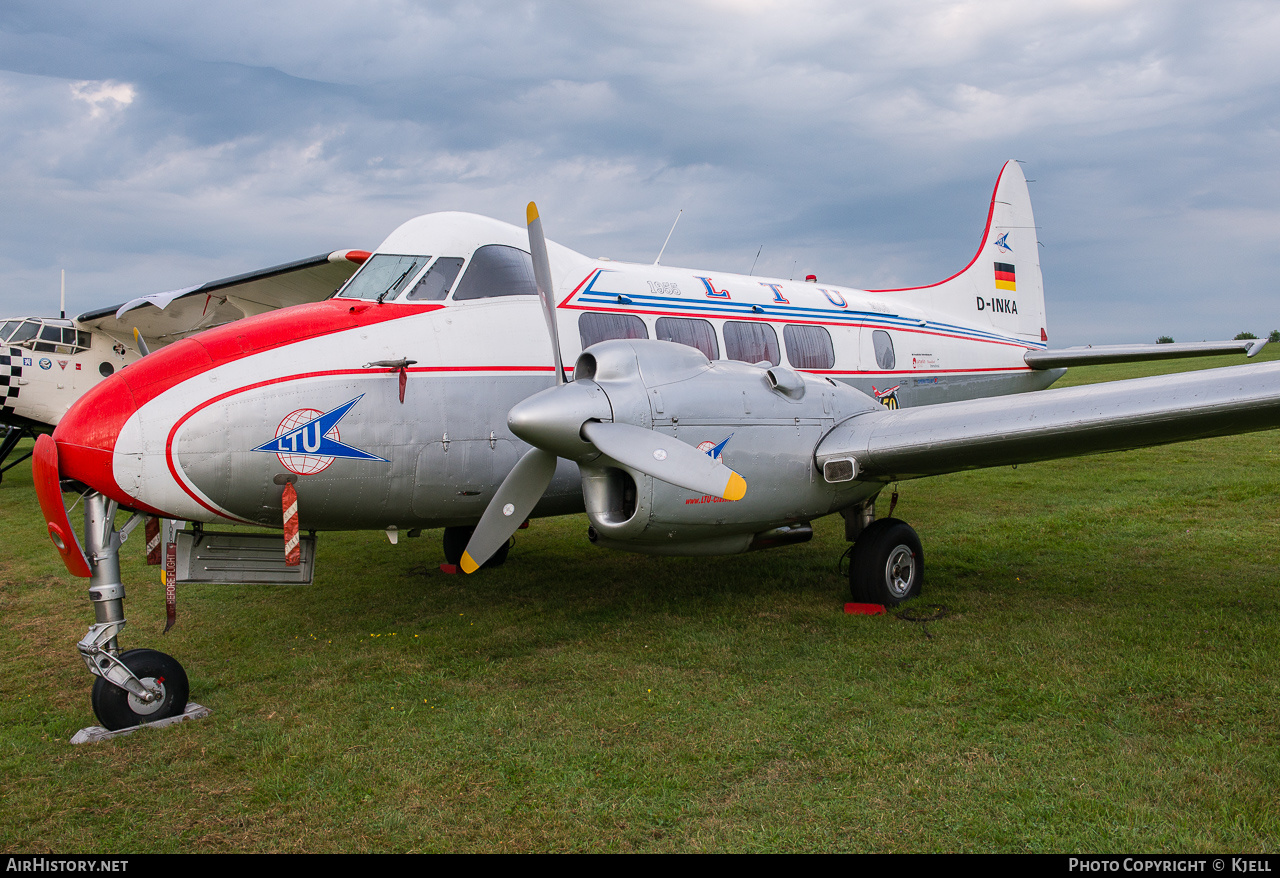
[(134, 687), (886, 561)]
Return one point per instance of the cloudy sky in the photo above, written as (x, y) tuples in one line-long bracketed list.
[(152, 145)]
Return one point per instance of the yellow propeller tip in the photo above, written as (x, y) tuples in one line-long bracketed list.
[(468, 564), (531, 213), (737, 487)]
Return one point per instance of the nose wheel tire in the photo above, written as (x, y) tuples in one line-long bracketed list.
[(887, 564), (118, 708)]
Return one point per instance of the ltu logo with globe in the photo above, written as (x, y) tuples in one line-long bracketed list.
[(307, 440), (305, 464)]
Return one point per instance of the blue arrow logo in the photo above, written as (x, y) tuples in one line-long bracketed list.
[(310, 438)]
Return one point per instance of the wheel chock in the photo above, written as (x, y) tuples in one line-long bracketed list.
[(854, 609), (94, 734)]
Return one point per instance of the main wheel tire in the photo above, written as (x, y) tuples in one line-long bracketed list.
[(455, 543), (887, 565), (118, 708)]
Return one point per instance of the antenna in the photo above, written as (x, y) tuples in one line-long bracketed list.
[(754, 261), (64, 294), (666, 242)]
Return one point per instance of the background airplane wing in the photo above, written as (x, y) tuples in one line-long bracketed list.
[(162, 318), (1049, 424)]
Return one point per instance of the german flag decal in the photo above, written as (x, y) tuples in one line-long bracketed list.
[(1004, 277)]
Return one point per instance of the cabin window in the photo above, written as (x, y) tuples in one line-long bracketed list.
[(383, 276), (751, 342), (698, 334), (594, 328), (809, 347), (884, 349), (435, 284), (497, 270)]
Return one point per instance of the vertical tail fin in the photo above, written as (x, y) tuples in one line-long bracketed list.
[(1001, 287)]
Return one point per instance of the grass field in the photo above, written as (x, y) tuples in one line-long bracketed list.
[(1106, 681)]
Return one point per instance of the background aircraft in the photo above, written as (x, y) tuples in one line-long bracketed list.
[(422, 395), (47, 363)]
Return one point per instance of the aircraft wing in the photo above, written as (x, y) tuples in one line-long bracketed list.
[(1093, 355), (1049, 424), (162, 318)]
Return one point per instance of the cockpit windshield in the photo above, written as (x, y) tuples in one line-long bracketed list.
[(493, 270), (49, 336), (383, 276)]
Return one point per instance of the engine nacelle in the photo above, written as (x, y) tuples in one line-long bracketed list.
[(764, 422)]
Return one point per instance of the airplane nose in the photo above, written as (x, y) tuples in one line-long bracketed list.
[(87, 435)]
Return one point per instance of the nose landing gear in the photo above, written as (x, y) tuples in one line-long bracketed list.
[(138, 686)]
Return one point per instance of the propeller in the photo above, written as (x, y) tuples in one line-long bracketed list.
[(575, 421), (140, 342), (542, 276)]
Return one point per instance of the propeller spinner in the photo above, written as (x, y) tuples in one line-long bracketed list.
[(575, 421)]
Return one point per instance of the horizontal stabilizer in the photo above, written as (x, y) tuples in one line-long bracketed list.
[(1049, 424), (1095, 355)]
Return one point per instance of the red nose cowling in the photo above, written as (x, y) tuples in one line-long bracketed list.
[(86, 436)]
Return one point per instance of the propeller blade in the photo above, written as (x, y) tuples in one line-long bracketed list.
[(519, 492), (542, 275), (140, 342), (665, 458)]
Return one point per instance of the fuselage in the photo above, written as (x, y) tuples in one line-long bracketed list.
[(387, 404), (46, 363)]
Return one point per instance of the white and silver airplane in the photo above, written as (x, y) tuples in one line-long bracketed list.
[(47, 363), (705, 412)]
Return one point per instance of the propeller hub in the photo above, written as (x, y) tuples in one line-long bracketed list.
[(552, 420)]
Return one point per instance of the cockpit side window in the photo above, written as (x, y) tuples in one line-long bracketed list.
[(435, 284), (383, 275), (7, 329), (497, 270)]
